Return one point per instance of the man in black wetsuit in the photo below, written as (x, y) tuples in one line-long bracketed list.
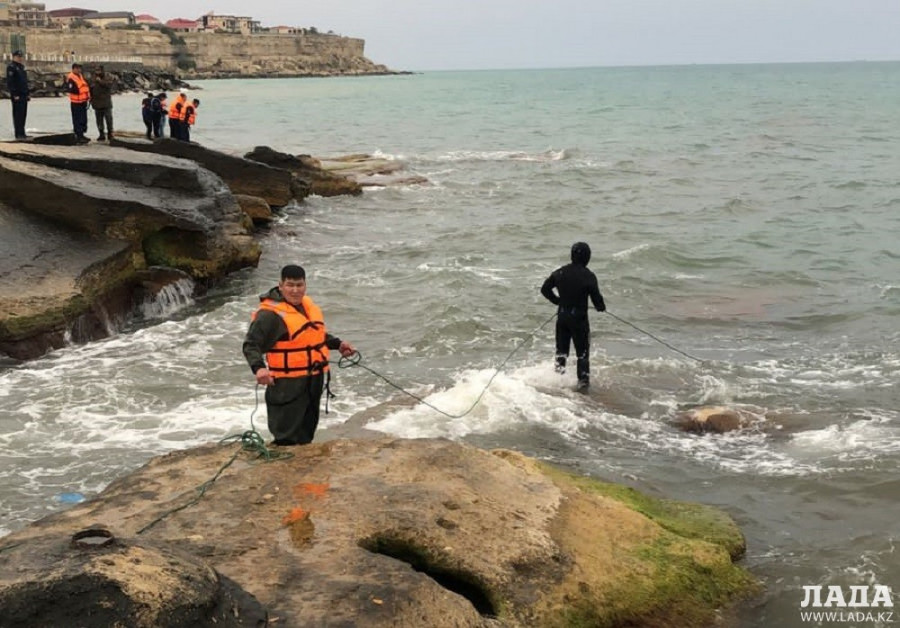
[(574, 283)]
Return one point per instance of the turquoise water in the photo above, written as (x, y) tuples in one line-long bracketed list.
[(747, 215)]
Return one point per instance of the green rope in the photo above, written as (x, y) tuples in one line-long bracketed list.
[(251, 441)]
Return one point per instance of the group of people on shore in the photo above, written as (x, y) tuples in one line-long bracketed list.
[(96, 92), (181, 113)]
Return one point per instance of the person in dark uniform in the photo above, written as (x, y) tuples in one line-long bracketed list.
[(574, 283), (147, 114), (287, 349), (102, 86), (158, 107), (17, 85)]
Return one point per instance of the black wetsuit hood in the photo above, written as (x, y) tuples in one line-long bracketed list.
[(581, 253)]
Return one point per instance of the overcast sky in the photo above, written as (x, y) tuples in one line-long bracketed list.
[(484, 34)]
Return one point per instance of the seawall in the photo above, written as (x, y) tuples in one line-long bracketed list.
[(203, 54)]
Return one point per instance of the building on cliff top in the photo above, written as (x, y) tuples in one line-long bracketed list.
[(285, 30), (27, 14), (110, 19), (229, 23), (145, 19), (184, 26), (64, 17)]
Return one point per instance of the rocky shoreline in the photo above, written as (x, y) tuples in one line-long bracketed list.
[(95, 230), (372, 532), (46, 83)]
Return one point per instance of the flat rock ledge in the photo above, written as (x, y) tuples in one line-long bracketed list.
[(90, 231), (372, 532)]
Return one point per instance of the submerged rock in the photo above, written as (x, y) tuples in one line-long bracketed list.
[(713, 419), (371, 171), (388, 532)]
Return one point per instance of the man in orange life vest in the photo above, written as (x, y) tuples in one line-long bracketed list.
[(287, 348), (176, 116), (190, 117), (79, 97)]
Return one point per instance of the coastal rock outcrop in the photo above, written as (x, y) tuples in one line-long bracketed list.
[(91, 223), (243, 176), (307, 169), (347, 174), (392, 532)]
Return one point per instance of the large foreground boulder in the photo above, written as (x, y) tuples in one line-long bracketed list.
[(388, 532), (107, 581), (88, 225)]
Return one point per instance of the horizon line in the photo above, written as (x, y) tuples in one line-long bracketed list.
[(649, 65)]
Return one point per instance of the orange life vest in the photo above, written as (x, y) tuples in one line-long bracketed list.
[(177, 109), (84, 92), (191, 115), (304, 353)]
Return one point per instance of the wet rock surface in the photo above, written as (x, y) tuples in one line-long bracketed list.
[(715, 419)]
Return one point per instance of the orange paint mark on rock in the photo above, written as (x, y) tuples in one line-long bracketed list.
[(296, 514)]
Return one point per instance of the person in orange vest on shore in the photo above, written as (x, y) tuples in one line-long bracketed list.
[(190, 117), (79, 97), (287, 348), (176, 116)]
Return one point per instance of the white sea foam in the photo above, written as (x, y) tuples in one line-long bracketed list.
[(889, 291), (509, 401), (625, 254), (504, 155), (873, 435), (490, 274), (169, 300)]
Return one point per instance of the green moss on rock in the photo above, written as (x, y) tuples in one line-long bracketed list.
[(642, 561)]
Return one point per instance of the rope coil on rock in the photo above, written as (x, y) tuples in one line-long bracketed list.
[(250, 440)]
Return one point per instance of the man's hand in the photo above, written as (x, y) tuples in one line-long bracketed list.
[(346, 349), (264, 377)]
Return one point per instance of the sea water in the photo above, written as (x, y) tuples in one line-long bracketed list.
[(748, 216)]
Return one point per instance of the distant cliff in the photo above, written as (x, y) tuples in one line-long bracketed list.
[(194, 55)]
